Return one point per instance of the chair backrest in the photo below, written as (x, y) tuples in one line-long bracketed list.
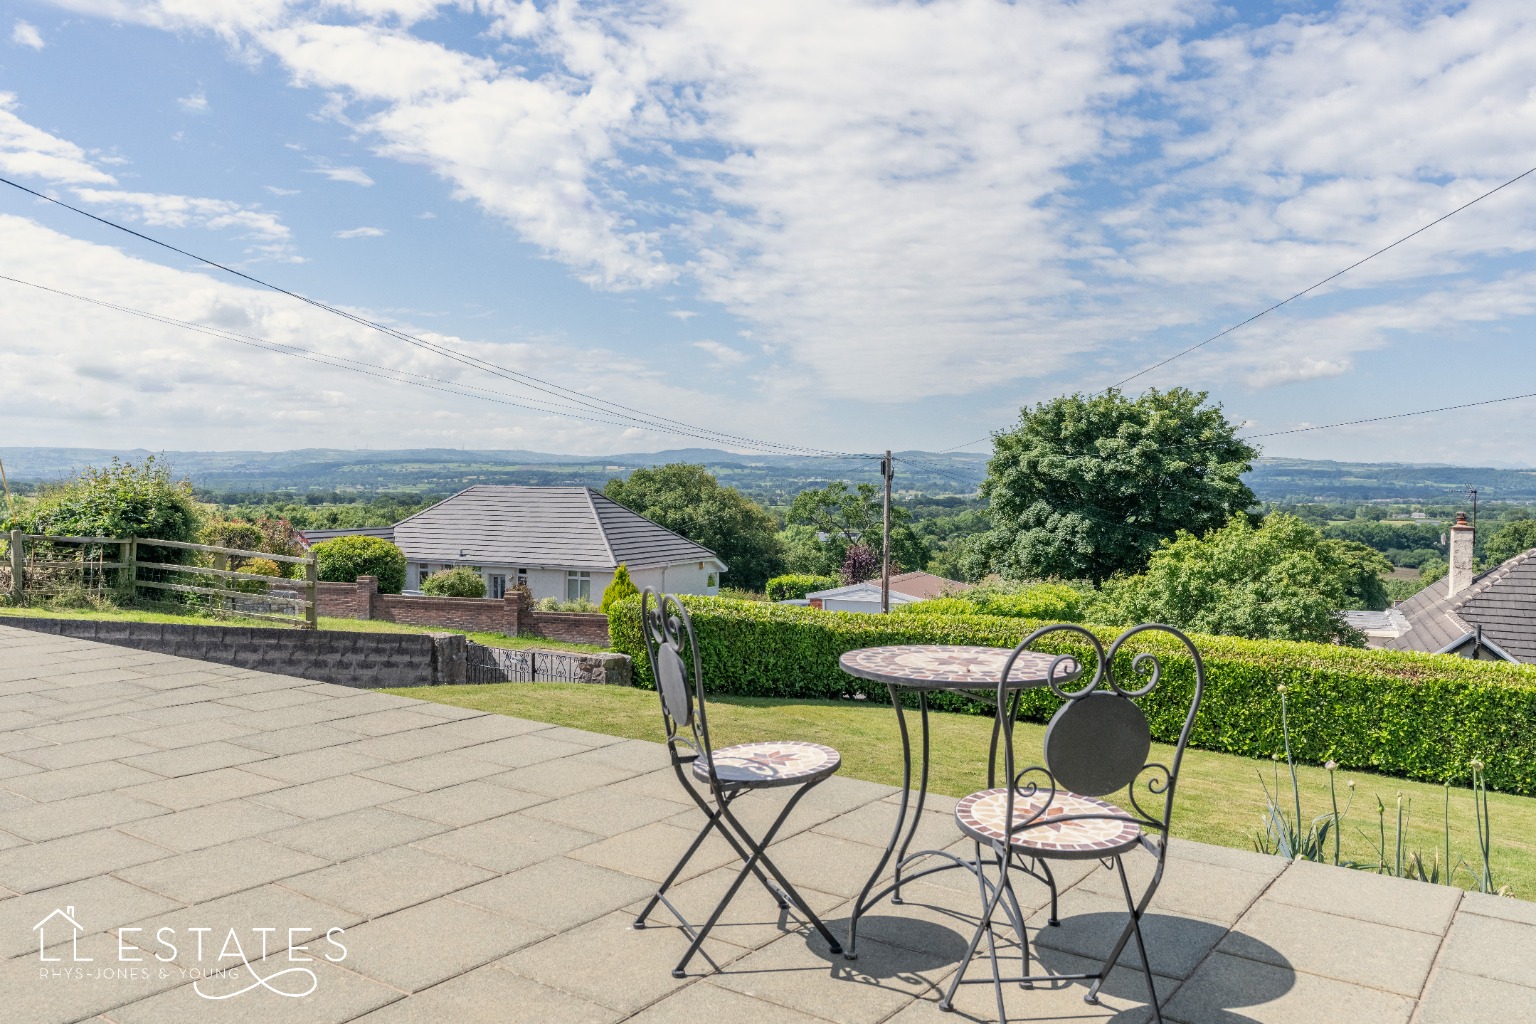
[(1099, 740), (673, 652)]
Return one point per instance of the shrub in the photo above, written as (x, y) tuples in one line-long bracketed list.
[(258, 567), (935, 606), (554, 604), (796, 585), (1054, 602), (123, 500), (621, 587), (1419, 716), (344, 559), (460, 581)]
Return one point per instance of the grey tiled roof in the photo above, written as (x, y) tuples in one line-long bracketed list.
[(1502, 601), (554, 527)]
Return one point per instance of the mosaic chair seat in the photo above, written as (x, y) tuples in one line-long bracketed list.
[(715, 778), (1097, 743)]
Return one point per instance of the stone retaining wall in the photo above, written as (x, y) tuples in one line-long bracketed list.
[(509, 615), (366, 660)]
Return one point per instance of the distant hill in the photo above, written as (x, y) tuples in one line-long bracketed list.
[(771, 478)]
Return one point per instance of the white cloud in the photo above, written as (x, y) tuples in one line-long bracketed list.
[(281, 191), (162, 386), (30, 152), (724, 354), (364, 232), (682, 314), (197, 103), (162, 210), (24, 34), (904, 200), (350, 175)]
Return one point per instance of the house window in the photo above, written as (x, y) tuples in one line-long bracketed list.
[(709, 581), (498, 586), (578, 586), (421, 576), (522, 578)]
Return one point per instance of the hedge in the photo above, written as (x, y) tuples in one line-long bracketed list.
[(796, 585), (1418, 716)]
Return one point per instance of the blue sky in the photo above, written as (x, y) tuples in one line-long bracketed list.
[(836, 224)]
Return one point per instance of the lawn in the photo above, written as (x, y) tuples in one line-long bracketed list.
[(350, 625), (1219, 799)]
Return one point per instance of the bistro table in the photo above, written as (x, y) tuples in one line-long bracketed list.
[(973, 672)]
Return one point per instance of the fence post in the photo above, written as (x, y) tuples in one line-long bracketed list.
[(221, 561), (311, 592), (131, 556), (18, 565)]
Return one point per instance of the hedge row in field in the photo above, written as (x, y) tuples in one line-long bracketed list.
[(1417, 716)]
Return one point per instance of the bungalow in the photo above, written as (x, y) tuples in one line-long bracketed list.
[(560, 542), (1489, 616), (906, 588)]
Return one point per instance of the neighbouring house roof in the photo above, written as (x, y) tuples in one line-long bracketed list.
[(309, 538), (868, 591), (925, 585), (1379, 625), (1500, 605), (554, 527)]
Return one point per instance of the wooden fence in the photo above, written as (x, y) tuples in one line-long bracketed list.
[(38, 568)]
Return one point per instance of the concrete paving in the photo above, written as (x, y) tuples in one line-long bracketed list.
[(182, 841)]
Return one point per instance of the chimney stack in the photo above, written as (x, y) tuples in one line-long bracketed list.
[(1462, 536)]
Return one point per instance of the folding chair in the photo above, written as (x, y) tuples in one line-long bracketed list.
[(729, 772), (1097, 743)]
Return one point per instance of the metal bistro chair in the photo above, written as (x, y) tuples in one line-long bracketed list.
[(1097, 743), (729, 772)]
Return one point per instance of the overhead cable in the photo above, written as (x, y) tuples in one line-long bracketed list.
[(639, 417)]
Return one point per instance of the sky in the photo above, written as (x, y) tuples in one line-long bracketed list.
[(829, 225)]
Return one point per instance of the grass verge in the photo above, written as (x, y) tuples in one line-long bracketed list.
[(1219, 796)]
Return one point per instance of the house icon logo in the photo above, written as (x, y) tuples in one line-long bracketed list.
[(44, 927)]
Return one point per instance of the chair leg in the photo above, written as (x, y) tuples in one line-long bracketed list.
[(1050, 880), (988, 908), (1132, 928), (677, 869), (757, 856), (790, 893)]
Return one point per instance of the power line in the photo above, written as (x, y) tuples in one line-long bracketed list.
[(1311, 288), (638, 416)]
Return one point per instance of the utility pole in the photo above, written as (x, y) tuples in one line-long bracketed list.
[(1473, 491), (887, 471)]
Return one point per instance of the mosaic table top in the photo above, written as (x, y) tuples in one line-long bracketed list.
[(948, 667)]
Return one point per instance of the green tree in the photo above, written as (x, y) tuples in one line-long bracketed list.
[(1511, 539), (1088, 486), (460, 581), (846, 516), (687, 499), (620, 588), (123, 499), (344, 559), (1280, 581)]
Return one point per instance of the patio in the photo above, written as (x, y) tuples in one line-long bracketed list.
[(398, 861)]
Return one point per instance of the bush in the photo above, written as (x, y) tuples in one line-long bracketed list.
[(554, 604), (1420, 716), (796, 585), (257, 567), (121, 500), (621, 587), (344, 559), (1053, 602), (935, 606), (460, 581)]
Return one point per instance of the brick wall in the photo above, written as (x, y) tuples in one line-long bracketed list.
[(510, 615), (367, 660)]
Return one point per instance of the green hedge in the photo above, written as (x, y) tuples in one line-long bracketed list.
[(796, 585), (1419, 716)]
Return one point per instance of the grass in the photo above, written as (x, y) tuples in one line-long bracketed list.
[(1219, 799), (325, 622)]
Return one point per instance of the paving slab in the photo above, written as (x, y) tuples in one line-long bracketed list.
[(491, 995), (210, 825), (44, 865), (557, 894), (1229, 988), (390, 880), (355, 833), (429, 943), (215, 871)]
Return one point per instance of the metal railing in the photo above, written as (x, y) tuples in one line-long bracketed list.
[(38, 570), (502, 665)]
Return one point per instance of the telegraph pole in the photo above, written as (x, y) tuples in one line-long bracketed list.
[(887, 470)]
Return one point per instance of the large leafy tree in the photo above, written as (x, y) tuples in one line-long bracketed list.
[(1088, 486), (687, 499), (844, 517), (1282, 581), (1510, 540)]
